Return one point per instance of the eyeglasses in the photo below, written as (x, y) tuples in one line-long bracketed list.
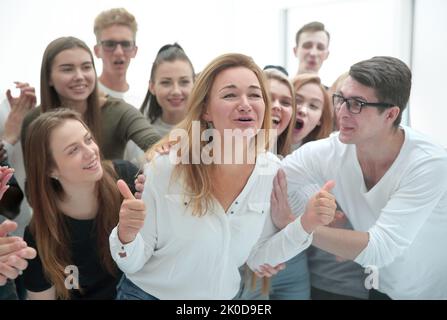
[(110, 45), (355, 105)]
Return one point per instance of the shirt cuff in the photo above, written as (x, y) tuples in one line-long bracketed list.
[(119, 250), (297, 233)]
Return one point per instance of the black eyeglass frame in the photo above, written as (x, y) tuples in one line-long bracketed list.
[(126, 45), (360, 102)]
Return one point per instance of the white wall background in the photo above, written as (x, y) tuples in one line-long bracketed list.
[(207, 28), (428, 112)]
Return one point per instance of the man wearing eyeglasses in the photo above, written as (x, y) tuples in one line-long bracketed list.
[(115, 32), (391, 182)]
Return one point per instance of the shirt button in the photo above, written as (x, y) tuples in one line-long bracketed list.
[(237, 202), (232, 212)]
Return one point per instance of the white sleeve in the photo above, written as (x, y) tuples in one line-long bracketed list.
[(405, 213), (131, 257), (276, 247), (305, 176), (128, 257)]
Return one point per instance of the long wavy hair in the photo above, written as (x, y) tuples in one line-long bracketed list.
[(325, 128), (50, 99), (48, 224), (197, 177)]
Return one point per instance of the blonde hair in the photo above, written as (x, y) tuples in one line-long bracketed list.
[(325, 128), (115, 16), (336, 86), (284, 140), (197, 177)]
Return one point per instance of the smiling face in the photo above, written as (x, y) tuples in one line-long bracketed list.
[(235, 101), (309, 108), (116, 62), (172, 85), (73, 76), (75, 154), (369, 124), (281, 99)]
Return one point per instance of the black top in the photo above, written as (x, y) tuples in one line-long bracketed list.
[(95, 282)]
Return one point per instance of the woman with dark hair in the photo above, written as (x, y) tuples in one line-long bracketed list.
[(68, 79), (76, 204), (171, 81)]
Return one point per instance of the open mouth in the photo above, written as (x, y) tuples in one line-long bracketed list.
[(276, 120), (299, 124), (118, 62)]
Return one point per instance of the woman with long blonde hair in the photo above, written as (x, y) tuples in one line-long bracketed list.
[(210, 213)]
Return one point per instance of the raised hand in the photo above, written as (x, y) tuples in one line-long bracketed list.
[(5, 174), (132, 214), (13, 253), (320, 209), (281, 213), (20, 106)]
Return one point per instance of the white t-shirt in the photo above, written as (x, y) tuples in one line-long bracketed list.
[(405, 213), (180, 256), (131, 97)]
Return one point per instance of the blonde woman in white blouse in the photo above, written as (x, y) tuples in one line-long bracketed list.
[(206, 219)]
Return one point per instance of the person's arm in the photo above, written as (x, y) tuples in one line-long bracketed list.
[(133, 241), (277, 247), (138, 128), (14, 253), (399, 222), (343, 243), (49, 294), (20, 106)]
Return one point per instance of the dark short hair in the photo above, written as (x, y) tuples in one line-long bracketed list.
[(279, 68), (389, 77), (314, 26)]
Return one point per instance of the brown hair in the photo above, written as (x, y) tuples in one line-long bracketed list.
[(167, 53), (115, 16), (197, 177), (314, 26), (284, 140), (50, 99), (48, 224), (325, 128), (389, 77)]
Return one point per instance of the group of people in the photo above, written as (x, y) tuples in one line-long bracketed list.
[(337, 186)]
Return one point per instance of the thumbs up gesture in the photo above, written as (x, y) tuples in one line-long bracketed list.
[(320, 209), (132, 214)]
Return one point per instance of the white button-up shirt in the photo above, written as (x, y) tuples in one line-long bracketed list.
[(180, 256)]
